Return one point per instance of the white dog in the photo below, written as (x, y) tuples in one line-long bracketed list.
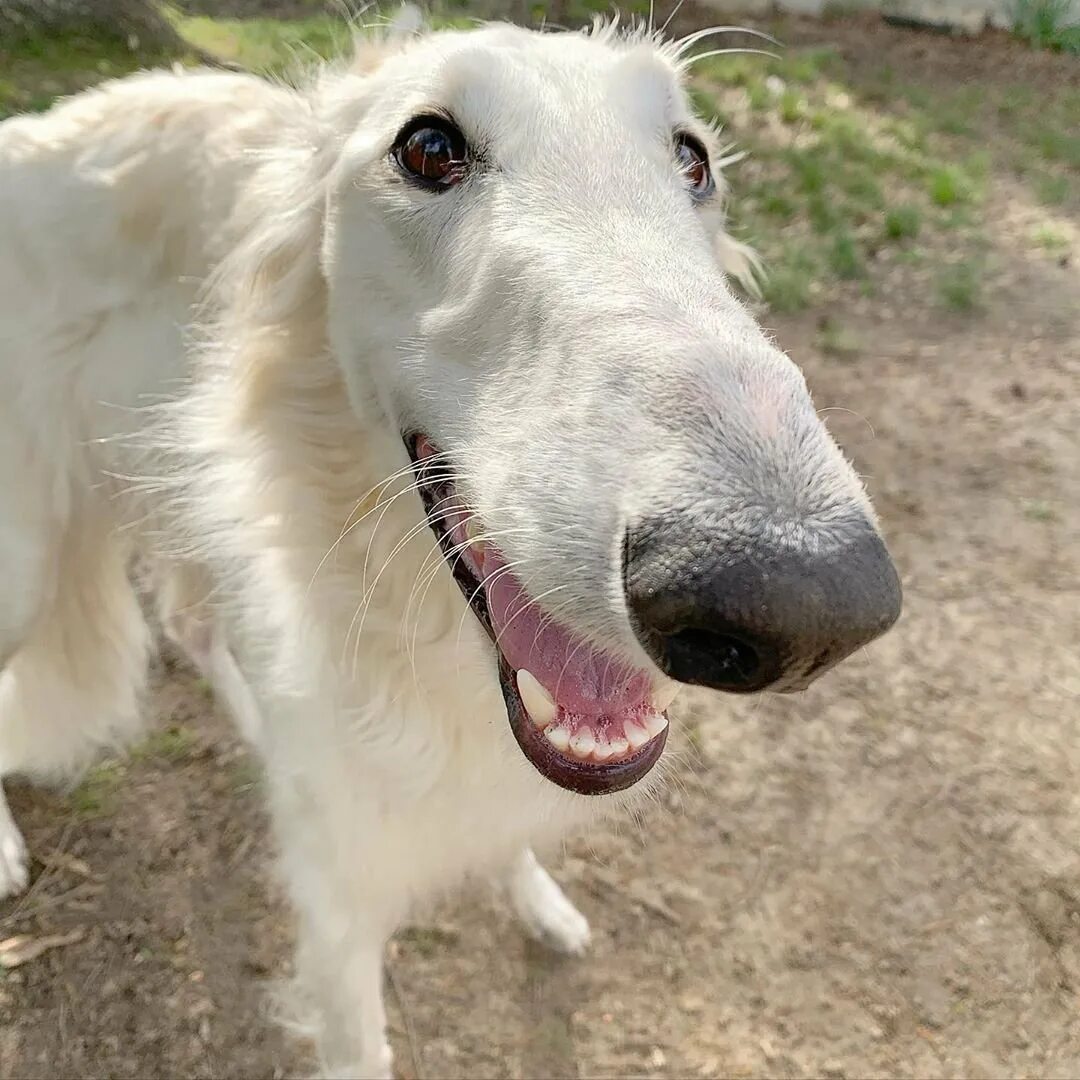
[(466, 284)]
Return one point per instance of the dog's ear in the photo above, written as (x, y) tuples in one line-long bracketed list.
[(369, 51), (740, 262)]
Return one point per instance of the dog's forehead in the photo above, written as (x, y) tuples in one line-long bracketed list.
[(504, 81)]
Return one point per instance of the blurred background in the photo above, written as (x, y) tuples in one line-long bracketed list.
[(878, 877)]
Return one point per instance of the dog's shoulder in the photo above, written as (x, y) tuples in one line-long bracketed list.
[(135, 180)]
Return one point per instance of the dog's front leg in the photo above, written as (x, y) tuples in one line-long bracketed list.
[(342, 971), (347, 907)]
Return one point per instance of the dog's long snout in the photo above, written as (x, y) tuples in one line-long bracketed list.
[(745, 614)]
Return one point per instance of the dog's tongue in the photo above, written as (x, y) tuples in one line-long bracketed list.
[(581, 679)]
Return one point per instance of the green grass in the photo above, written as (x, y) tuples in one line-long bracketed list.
[(1045, 144), (172, 744), (96, 795), (947, 187), (703, 101), (1052, 189), (37, 72), (1046, 24), (1057, 145), (1051, 239), (270, 46), (427, 941), (788, 286), (759, 97), (843, 161), (1016, 99), (776, 202), (570, 13), (845, 258), (959, 286), (1041, 511), (792, 107), (903, 222), (1040, 128), (835, 340), (842, 168)]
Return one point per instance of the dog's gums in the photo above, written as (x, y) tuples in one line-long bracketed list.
[(586, 720)]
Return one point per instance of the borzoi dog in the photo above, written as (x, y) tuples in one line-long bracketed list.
[(424, 390)]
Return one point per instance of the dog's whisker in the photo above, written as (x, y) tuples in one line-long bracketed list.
[(431, 575), (688, 42), (667, 22), (687, 61)]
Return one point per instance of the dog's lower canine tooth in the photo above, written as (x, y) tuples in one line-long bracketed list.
[(538, 703), (636, 735), (654, 723)]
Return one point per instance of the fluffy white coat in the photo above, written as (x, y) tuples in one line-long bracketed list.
[(219, 309)]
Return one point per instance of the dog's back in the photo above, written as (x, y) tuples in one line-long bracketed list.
[(114, 208)]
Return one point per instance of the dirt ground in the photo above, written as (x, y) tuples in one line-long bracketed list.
[(880, 877)]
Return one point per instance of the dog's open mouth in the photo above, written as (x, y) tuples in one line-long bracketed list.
[(587, 720)]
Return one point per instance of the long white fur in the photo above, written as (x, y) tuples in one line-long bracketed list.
[(325, 306)]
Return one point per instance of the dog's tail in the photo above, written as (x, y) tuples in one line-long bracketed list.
[(74, 685)]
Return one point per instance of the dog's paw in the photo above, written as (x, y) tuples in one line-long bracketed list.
[(379, 1067), (545, 911), (14, 868), (559, 926)]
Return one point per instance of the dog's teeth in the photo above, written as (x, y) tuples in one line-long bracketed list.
[(664, 695), (619, 747), (538, 703), (558, 736), (582, 742), (474, 532), (602, 750), (636, 736), (654, 724), (475, 547)]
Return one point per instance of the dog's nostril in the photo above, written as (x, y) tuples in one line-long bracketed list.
[(743, 616), (720, 660)]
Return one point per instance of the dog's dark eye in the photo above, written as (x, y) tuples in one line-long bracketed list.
[(432, 151), (693, 163)]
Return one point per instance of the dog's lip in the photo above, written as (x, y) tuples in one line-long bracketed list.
[(569, 770), (583, 777)]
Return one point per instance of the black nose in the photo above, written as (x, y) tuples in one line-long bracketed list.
[(741, 613)]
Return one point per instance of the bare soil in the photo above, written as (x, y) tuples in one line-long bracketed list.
[(880, 877)]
